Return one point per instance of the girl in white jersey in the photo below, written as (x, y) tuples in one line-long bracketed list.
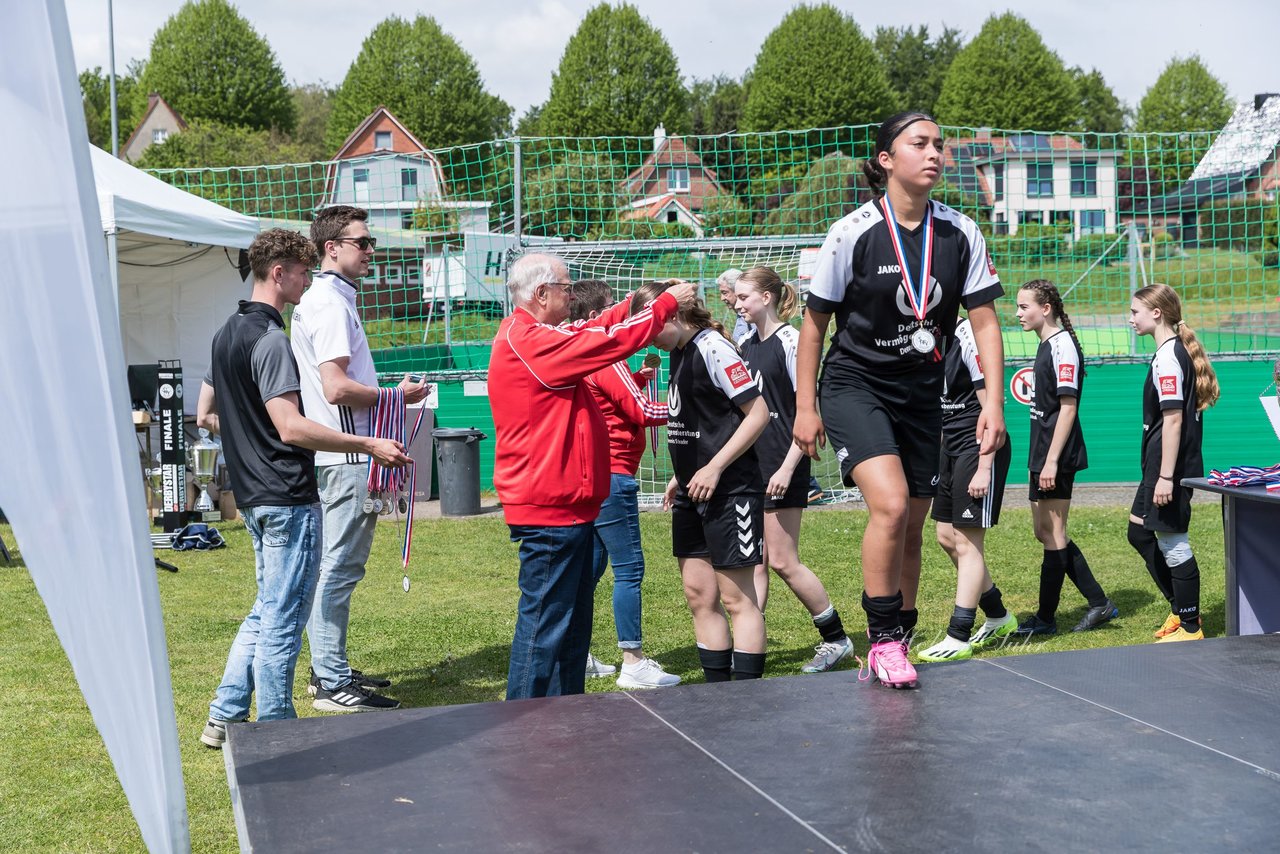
[(1180, 385), (768, 303), (1055, 452), (894, 274), (715, 414)]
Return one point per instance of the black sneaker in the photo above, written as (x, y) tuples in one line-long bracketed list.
[(1033, 625), (351, 697), (367, 682), (1095, 617)]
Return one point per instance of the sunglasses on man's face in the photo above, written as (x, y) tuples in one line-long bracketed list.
[(364, 244)]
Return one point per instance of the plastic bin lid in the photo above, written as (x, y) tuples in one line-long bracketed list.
[(458, 433)]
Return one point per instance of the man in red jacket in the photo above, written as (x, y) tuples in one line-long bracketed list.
[(551, 460)]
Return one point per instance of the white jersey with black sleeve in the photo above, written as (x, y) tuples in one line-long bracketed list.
[(1059, 373), (772, 363), (859, 279), (707, 385), (960, 406)]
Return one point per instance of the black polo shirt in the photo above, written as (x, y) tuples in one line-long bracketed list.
[(252, 364)]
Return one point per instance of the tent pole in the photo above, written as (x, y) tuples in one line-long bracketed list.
[(113, 263), (111, 55)]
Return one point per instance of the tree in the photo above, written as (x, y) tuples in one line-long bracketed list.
[(1007, 78), (916, 65), (816, 70), (716, 105), (829, 191), (210, 144), (313, 103), (530, 123), (1100, 111), (617, 77), (724, 215), (95, 91), (209, 63), (1186, 97), (424, 77), (574, 197)]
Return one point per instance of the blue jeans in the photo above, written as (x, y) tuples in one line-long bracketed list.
[(618, 542), (553, 626), (286, 551), (348, 536)]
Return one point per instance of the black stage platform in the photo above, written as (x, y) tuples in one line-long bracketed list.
[(1173, 747)]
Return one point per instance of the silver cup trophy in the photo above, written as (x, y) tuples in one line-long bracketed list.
[(202, 456)]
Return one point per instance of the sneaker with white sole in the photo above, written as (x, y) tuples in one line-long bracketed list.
[(887, 661), (215, 733), (828, 655), (597, 668), (994, 632), (646, 674), (352, 697), (947, 649), (364, 680)]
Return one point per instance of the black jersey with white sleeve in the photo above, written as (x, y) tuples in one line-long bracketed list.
[(772, 363), (858, 279), (962, 377), (708, 384), (1058, 373), (1171, 384)]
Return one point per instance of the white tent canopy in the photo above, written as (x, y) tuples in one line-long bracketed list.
[(176, 269)]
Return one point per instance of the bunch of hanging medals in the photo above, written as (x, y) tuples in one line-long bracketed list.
[(394, 488)]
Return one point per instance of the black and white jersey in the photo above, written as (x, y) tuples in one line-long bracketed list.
[(772, 363), (707, 385), (962, 378), (1058, 373), (1171, 384), (859, 280)]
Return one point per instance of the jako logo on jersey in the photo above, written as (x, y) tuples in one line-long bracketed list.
[(1168, 385), (738, 375), (673, 401), (888, 268), (1066, 373)]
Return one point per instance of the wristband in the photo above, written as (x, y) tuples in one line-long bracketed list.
[(1165, 477)]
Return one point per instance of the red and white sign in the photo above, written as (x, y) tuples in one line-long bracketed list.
[(1168, 386), (738, 375), (1022, 385), (1066, 373)]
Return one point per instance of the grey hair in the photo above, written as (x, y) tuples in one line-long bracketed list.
[(529, 271), (729, 278)]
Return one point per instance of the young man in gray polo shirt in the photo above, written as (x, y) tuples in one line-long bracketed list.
[(269, 444)]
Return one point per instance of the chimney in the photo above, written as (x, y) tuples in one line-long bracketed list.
[(982, 134), (659, 136), (1262, 98)]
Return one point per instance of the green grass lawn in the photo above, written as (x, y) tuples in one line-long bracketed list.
[(447, 641)]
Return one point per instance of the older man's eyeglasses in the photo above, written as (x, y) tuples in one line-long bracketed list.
[(364, 244), (565, 285)]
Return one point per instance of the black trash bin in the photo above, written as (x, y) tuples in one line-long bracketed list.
[(458, 469)]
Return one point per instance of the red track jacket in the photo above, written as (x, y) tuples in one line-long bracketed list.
[(627, 411), (551, 458)]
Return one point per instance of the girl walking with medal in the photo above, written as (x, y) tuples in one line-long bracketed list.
[(894, 274), (1056, 451), (1180, 385)]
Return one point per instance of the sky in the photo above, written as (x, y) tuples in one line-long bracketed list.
[(517, 44)]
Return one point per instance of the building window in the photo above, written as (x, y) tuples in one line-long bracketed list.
[(1039, 180), (1030, 217), (392, 276), (1084, 179), (406, 219), (408, 185), (360, 178), (1093, 222), (382, 140), (678, 180), (159, 135), (1062, 217), (672, 216), (413, 273), (997, 175)]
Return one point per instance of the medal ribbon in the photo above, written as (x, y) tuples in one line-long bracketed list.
[(388, 422), (917, 292)]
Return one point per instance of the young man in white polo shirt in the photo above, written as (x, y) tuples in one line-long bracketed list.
[(339, 389)]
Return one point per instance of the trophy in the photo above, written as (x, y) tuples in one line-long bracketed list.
[(203, 459), (155, 480)]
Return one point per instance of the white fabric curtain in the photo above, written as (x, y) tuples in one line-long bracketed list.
[(68, 459)]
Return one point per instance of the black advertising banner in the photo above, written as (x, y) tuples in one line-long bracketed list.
[(173, 447)]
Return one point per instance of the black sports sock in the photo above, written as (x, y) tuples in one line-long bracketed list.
[(1053, 569), (831, 629), (1144, 543), (717, 664), (1186, 593), (1082, 577), (992, 604), (747, 665), (908, 617), (883, 617), (961, 626)]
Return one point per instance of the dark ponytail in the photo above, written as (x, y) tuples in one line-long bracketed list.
[(1046, 293), (890, 129)]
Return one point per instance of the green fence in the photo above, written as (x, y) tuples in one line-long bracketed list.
[(1101, 215)]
